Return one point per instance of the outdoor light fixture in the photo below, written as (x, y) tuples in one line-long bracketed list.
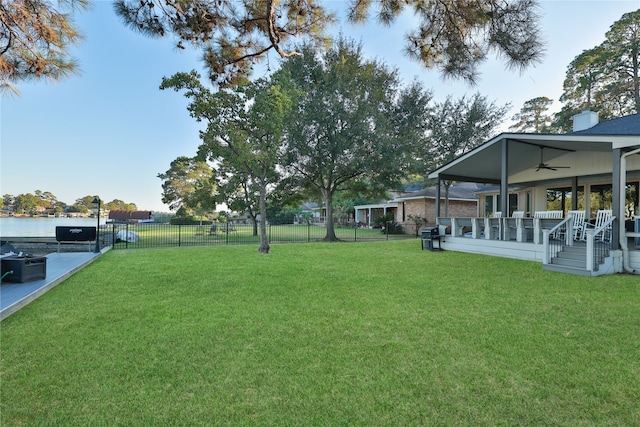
[(97, 249)]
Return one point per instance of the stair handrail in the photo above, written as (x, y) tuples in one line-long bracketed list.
[(547, 232), (568, 219), (590, 237), (604, 225)]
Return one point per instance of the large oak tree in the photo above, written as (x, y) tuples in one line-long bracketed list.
[(189, 183), (243, 133), (347, 131)]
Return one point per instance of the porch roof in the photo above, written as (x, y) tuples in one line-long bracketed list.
[(483, 164)]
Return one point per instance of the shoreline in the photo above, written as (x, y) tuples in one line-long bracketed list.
[(64, 215)]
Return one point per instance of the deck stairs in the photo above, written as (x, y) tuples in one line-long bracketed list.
[(572, 260)]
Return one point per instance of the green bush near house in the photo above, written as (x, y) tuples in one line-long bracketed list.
[(323, 334)]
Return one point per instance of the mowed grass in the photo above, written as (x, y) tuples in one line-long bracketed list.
[(358, 334)]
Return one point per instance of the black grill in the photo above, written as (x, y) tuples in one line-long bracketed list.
[(430, 235)]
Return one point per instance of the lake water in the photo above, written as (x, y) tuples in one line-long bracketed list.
[(41, 227)]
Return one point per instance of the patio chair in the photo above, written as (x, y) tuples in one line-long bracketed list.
[(541, 214), (493, 226), (602, 217), (517, 214), (578, 223)]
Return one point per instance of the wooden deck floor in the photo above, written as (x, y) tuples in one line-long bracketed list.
[(14, 296)]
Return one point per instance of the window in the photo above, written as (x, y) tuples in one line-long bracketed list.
[(513, 203), (560, 199), (488, 205)]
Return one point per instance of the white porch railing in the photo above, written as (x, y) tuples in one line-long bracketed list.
[(598, 249), (518, 229), (552, 233)]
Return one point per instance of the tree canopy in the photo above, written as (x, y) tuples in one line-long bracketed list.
[(345, 132), (533, 116), (453, 36), (456, 127), (243, 134), (189, 182), (605, 78), (34, 39)]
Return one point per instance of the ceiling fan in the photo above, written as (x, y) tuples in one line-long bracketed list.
[(543, 165)]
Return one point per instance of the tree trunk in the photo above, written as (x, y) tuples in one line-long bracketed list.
[(328, 202), (264, 240), (636, 79), (254, 223)]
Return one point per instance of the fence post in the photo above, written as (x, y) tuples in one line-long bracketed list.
[(308, 231), (179, 234), (355, 233)]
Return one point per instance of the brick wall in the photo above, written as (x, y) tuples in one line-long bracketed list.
[(426, 208)]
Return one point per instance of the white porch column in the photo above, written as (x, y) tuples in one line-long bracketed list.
[(547, 252), (537, 231), (521, 232), (504, 179), (476, 227), (587, 200), (617, 195), (590, 249)]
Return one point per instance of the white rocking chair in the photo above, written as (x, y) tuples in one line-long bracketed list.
[(578, 223), (601, 218)]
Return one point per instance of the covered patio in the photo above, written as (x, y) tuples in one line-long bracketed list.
[(594, 168)]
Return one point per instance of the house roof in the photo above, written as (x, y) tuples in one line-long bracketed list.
[(523, 151), (627, 125), (126, 215), (458, 191)]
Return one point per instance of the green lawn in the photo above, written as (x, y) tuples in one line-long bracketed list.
[(364, 334)]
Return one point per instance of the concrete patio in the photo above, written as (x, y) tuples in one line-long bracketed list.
[(60, 266)]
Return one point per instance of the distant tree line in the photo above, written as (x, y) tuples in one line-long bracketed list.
[(41, 202)]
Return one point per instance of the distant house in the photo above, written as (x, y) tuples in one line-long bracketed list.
[(131, 216), (463, 202), (365, 215)]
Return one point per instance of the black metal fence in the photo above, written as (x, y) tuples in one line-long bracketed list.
[(128, 236)]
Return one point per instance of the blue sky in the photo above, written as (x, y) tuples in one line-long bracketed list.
[(109, 130)]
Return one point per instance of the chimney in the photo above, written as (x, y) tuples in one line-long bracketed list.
[(585, 120)]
